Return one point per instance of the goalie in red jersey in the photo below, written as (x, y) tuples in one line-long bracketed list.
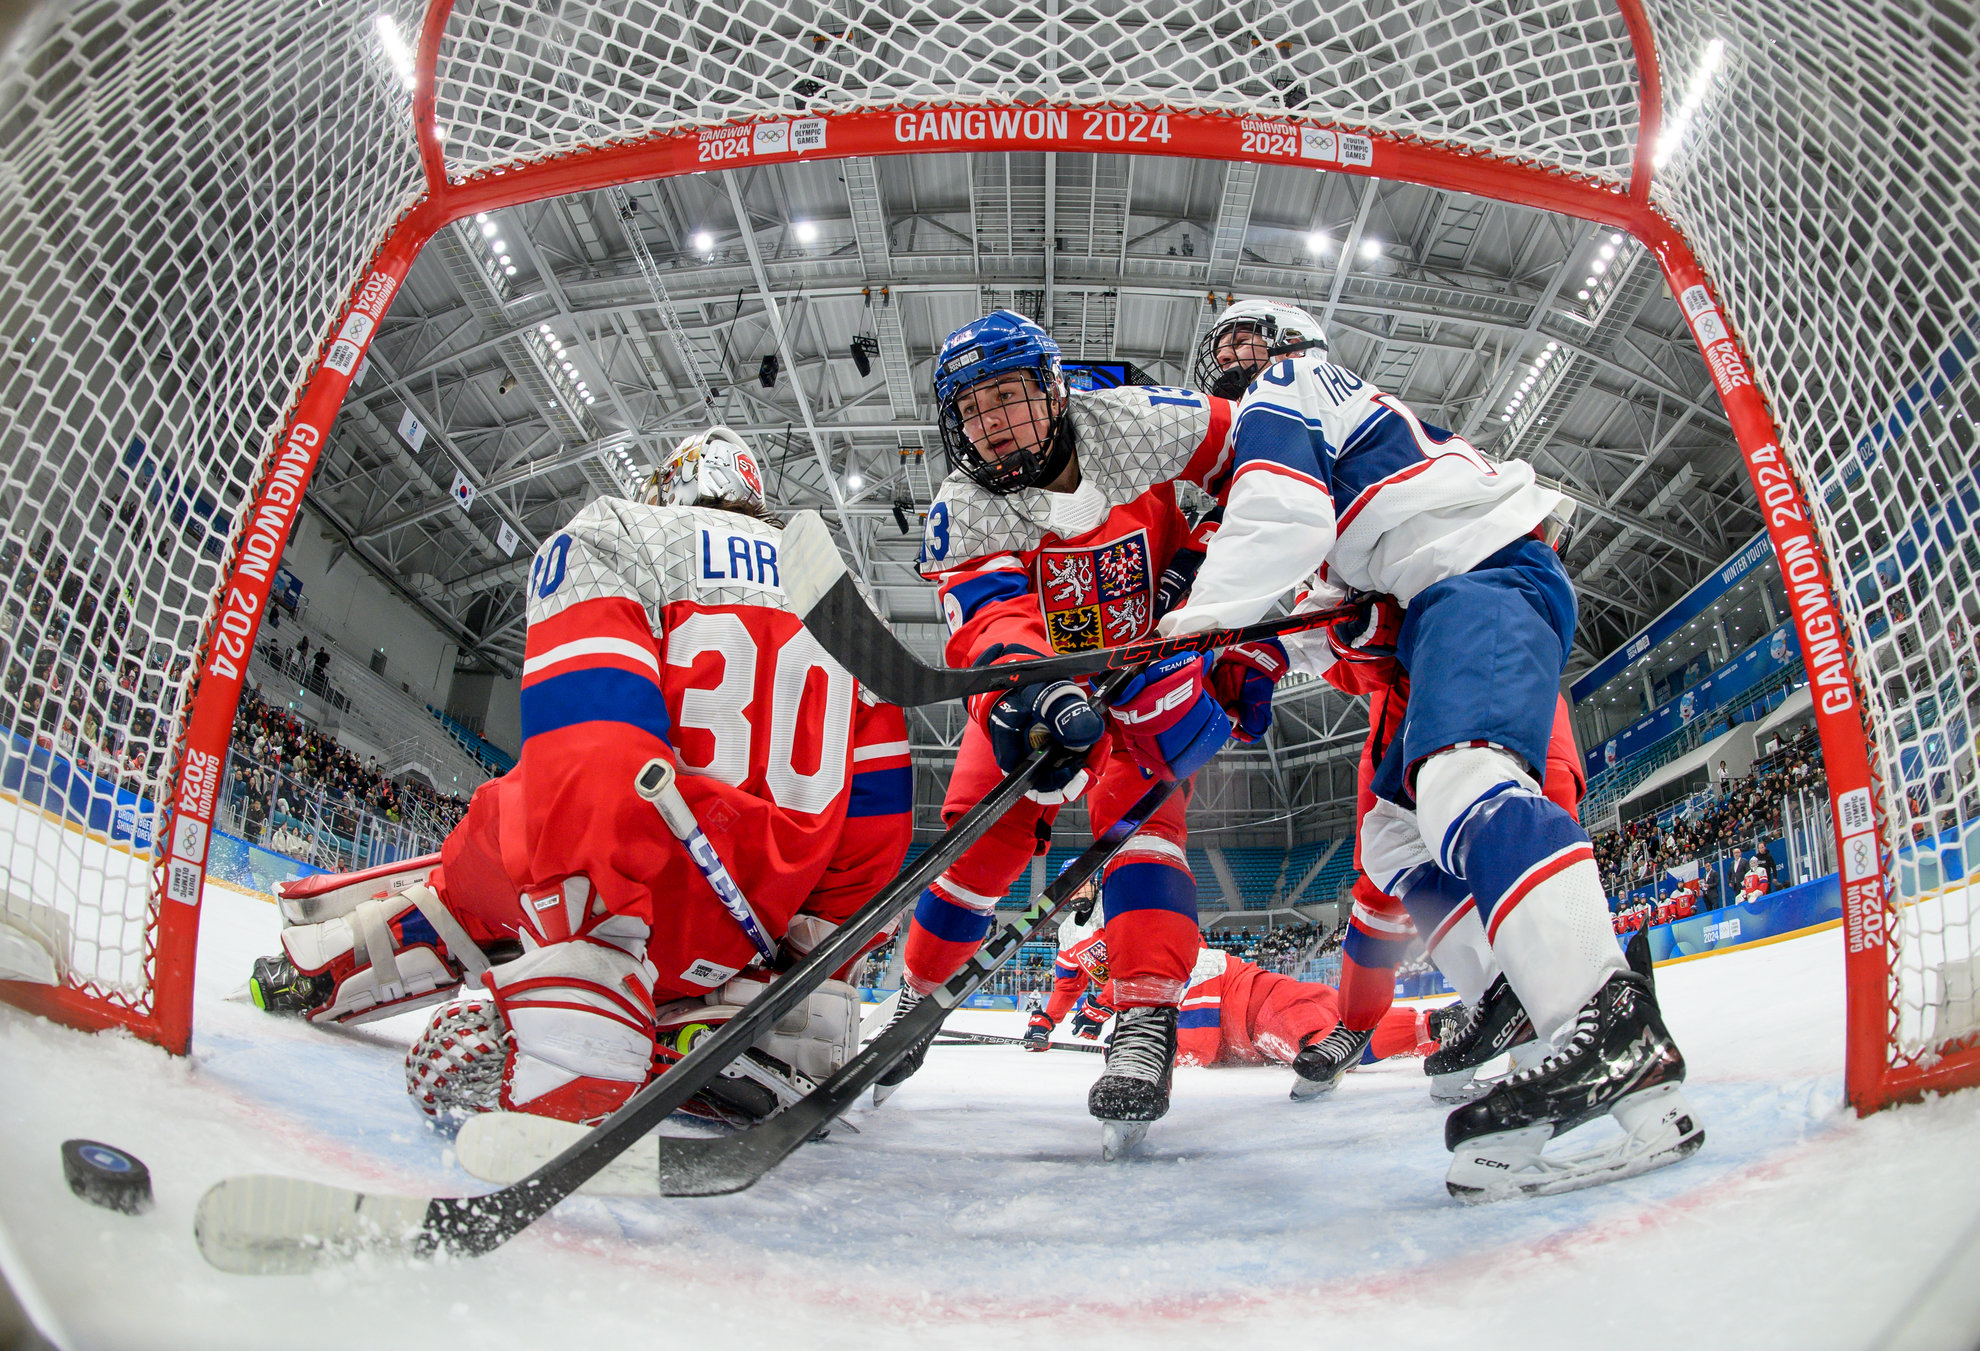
[(657, 630)]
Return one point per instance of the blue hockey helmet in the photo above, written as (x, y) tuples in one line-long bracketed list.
[(999, 344)]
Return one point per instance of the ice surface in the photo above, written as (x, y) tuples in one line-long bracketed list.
[(973, 1209)]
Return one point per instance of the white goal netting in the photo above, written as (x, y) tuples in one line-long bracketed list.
[(189, 197)]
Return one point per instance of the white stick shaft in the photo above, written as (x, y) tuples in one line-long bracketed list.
[(656, 784)]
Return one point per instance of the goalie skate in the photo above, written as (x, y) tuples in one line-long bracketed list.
[(1617, 1060)]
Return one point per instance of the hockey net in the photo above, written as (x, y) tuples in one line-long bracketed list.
[(205, 214)]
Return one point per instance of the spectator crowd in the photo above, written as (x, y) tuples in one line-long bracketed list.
[(1746, 811), (279, 761)]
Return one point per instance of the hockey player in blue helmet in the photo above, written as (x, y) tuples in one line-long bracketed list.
[(1054, 533), (1002, 399)]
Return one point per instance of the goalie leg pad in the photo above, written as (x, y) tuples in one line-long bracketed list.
[(815, 1038), (386, 956), (580, 1019), (327, 896)]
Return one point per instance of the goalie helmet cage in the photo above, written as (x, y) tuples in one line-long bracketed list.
[(205, 211)]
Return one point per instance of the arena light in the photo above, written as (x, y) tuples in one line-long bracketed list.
[(1317, 242), (703, 241), (1371, 248), (395, 47), (806, 232), (1694, 96)]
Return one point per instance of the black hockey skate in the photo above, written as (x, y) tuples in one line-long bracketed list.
[(277, 987), (1618, 1060), (1476, 1034), (1134, 1090), (1318, 1067), (903, 1069)]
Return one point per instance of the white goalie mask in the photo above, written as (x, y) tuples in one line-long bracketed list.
[(707, 468), (1285, 329)]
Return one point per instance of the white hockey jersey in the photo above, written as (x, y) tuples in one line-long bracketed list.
[(1330, 471)]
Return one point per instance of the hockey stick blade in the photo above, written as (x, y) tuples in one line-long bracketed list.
[(714, 1167), (828, 599), (264, 1224), (948, 1038)]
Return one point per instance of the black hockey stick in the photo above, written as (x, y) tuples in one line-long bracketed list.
[(947, 1038), (713, 1167), (828, 599), (266, 1224)]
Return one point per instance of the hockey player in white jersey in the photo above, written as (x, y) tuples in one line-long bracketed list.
[(657, 629), (1332, 476)]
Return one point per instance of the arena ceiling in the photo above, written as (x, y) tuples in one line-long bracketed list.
[(665, 299)]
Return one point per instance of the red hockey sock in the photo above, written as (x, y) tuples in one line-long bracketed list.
[(940, 938), (1401, 1031), (1366, 994)]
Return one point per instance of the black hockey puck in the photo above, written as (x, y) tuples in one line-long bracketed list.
[(106, 1176)]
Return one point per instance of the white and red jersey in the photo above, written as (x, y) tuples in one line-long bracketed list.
[(1066, 572), (662, 631), (1329, 470), (1082, 961)]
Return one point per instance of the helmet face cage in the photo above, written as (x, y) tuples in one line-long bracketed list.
[(1287, 331), (707, 468), (999, 345)]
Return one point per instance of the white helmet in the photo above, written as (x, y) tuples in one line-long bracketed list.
[(715, 466), (1287, 329)]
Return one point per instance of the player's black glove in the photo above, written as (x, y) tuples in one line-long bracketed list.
[(1089, 1018), (1038, 1034), (1058, 710)]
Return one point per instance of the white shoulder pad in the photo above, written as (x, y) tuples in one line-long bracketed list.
[(968, 523), (1133, 438)]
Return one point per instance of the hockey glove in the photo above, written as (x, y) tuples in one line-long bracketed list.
[(1171, 723), (1089, 1018), (1038, 1033), (1243, 679), (1060, 709), (1173, 588), (1369, 636)]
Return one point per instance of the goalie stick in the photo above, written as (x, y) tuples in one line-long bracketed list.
[(689, 1166), (265, 1224), (829, 601)]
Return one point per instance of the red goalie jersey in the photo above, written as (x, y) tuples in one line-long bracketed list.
[(660, 631)]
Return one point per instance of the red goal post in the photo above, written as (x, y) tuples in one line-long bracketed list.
[(1559, 109)]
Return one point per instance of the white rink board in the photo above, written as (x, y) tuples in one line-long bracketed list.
[(974, 1211)]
